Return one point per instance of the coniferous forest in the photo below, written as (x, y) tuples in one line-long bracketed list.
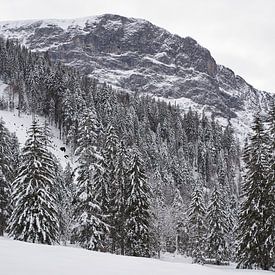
[(147, 177)]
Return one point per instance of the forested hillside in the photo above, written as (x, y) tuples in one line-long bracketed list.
[(148, 177)]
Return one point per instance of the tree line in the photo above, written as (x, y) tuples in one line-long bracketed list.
[(148, 178)]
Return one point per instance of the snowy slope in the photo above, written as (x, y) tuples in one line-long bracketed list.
[(241, 122), (20, 125), (19, 258)]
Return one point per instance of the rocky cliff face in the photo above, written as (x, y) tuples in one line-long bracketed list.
[(135, 55)]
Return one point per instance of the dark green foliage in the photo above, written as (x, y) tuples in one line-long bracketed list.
[(34, 217), (89, 227), (102, 126), (196, 225), (218, 228), (256, 230), (137, 210), (9, 151)]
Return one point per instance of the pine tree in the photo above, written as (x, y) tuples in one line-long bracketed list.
[(5, 195), (137, 210), (196, 225), (255, 228), (229, 201), (67, 193), (47, 135), (34, 218), (63, 209), (7, 165), (108, 166), (89, 226), (270, 193), (157, 206), (118, 198), (178, 216), (104, 183), (218, 228), (8, 147)]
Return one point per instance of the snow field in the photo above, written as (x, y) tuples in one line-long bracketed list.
[(20, 125), (19, 258)]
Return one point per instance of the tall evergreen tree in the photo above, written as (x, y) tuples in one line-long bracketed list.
[(67, 194), (196, 225), (119, 197), (7, 169), (137, 210), (218, 228), (89, 226), (109, 164), (255, 229), (5, 198), (34, 218), (157, 206)]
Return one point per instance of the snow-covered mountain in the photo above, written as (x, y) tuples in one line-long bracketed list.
[(135, 55)]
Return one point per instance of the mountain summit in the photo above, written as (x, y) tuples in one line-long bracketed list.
[(135, 55)]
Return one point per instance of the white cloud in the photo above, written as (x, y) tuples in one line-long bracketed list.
[(239, 34)]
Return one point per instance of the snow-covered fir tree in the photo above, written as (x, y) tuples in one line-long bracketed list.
[(66, 195), (8, 162), (179, 218), (5, 200), (217, 248), (137, 210), (255, 232), (63, 203), (229, 202), (34, 217), (157, 207), (106, 173), (105, 185), (89, 225), (196, 225), (118, 199)]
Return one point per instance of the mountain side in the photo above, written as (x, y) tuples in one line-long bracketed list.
[(135, 55), (20, 124)]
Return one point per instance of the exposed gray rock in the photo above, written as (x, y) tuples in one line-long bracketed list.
[(135, 55)]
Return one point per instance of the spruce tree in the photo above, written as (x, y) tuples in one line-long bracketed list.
[(178, 216), (137, 210), (34, 217), (89, 226), (218, 228), (255, 229), (196, 225), (157, 207), (104, 185), (7, 170), (5, 197), (119, 197), (67, 194), (106, 173)]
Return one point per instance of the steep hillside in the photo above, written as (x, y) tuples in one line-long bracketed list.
[(20, 124), (135, 55)]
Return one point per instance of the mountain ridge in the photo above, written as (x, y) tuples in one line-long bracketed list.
[(135, 55)]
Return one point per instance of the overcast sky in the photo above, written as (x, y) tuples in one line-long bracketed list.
[(239, 33)]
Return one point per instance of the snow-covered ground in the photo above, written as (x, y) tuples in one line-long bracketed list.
[(20, 124), (241, 123), (19, 258)]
